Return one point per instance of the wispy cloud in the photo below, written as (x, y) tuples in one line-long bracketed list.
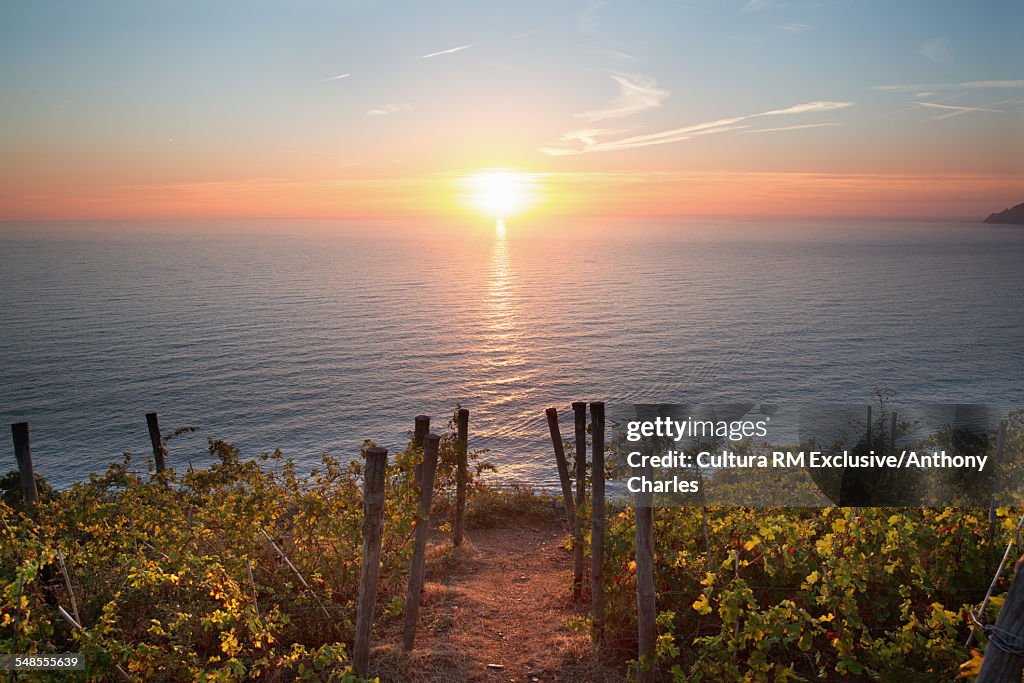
[(970, 85), (798, 127), (936, 50), (619, 54), (585, 137), (388, 109), (334, 78), (636, 94), (449, 51), (952, 110), (796, 28), (681, 134), (806, 107), (526, 34), (591, 17)]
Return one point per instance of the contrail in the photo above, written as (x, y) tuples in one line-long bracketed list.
[(446, 52)]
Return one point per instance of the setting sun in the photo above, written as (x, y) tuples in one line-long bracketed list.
[(499, 193)]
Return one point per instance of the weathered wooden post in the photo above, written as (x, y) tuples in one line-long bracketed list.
[(1003, 662), (579, 409), (30, 494), (23, 454), (422, 426), (597, 520), (412, 598), (421, 429), (373, 527), (563, 468), (462, 452), (157, 441), (646, 616)]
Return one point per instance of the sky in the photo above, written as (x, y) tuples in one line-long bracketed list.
[(636, 108)]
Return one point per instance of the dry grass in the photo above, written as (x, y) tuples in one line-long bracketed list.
[(438, 664)]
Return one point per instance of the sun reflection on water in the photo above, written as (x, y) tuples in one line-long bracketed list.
[(506, 369)]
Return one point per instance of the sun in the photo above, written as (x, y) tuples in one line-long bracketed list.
[(499, 193)]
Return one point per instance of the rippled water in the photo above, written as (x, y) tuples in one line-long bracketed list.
[(312, 342)]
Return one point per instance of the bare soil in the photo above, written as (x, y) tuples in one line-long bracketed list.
[(496, 609)]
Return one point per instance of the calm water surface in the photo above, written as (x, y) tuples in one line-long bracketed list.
[(314, 341)]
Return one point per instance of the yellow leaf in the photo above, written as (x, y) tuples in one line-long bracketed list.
[(972, 667), (701, 605)]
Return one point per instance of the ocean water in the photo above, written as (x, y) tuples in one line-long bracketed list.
[(313, 340)]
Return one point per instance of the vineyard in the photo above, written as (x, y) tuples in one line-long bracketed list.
[(249, 570)]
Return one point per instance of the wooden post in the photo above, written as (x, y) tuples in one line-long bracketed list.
[(646, 616), (23, 454), (462, 448), (1000, 665), (30, 495), (422, 426), (373, 527), (157, 441), (597, 520), (420, 430), (579, 409), (412, 598), (563, 468)]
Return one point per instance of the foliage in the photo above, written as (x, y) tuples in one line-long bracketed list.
[(243, 570), (795, 594), (493, 505), (810, 593)]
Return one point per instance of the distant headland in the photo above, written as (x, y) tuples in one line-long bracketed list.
[(1011, 216)]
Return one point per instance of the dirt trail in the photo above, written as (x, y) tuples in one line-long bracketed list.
[(496, 610)]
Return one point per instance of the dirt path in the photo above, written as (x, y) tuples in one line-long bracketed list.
[(496, 610)]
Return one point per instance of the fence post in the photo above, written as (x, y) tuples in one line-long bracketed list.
[(1000, 664), (373, 526), (412, 598), (422, 423), (646, 616), (157, 441), (462, 448), (597, 520), (579, 409), (563, 468), (23, 454), (30, 494)]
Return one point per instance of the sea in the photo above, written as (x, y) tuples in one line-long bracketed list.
[(313, 336)]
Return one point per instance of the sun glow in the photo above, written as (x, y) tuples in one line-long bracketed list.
[(499, 194)]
